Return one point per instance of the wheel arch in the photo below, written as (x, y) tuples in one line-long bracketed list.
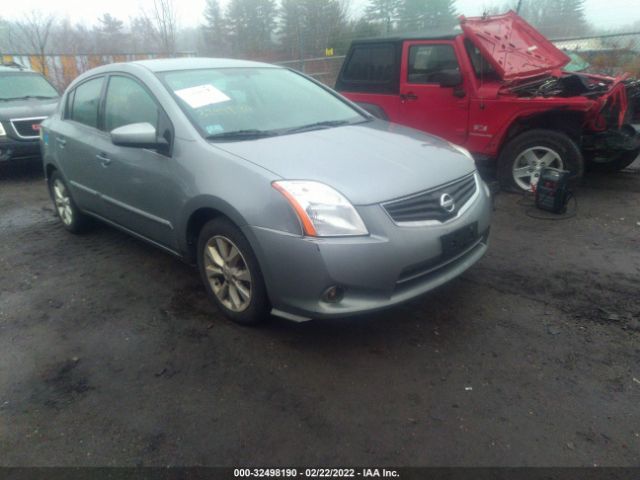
[(49, 168), (569, 122), (197, 213)]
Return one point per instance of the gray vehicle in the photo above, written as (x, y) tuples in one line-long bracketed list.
[(291, 199), (26, 99)]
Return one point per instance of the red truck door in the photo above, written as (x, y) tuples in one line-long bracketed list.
[(424, 103)]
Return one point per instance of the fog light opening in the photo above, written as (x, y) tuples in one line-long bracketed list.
[(333, 294)]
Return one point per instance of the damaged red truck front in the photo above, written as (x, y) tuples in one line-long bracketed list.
[(497, 87)]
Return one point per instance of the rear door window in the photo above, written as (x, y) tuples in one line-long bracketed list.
[(86, 100), (371, 63)]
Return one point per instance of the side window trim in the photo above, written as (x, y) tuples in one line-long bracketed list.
[(68, 107), (103, 94)]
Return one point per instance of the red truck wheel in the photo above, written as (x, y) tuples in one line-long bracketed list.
[(523, 157)]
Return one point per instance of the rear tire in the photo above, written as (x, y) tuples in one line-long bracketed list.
[(66, 209), (524, 156), (616, 162), (231, 274)]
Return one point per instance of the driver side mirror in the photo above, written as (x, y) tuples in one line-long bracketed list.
[(450, 78), (138, 135)]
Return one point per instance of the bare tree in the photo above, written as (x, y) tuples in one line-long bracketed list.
[(35, 30), (164, 19)]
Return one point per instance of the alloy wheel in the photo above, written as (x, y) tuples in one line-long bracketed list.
[(227, 272), (63, 202), (529, 164)]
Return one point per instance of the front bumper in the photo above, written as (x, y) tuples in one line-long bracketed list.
[(11, 149), (390, 266), (626, 138)]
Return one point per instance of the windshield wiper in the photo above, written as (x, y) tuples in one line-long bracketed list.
[(242, 134), (323, 124)]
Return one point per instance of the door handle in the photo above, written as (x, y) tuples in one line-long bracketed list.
[(61, 142), (408, 96), (104, 160)]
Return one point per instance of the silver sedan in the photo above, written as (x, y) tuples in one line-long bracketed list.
[(290, 199)]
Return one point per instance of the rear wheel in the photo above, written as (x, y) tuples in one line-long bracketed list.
[(523, 158), (71, 217), (231, 274), (611, 163)]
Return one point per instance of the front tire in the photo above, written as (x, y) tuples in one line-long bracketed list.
[(523, 158), (66, 209), (231, 274)]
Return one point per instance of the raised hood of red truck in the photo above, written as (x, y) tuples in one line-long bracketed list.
[(514, 48)]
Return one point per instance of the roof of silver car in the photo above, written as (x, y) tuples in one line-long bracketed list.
[(194, 63)]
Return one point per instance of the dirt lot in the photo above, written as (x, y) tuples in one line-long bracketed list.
[(110, 354)]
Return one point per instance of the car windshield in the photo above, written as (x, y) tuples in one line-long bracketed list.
[(238, 103), (19, 85)]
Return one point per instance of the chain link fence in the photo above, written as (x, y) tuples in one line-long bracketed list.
[(604, 54), (323, 69)]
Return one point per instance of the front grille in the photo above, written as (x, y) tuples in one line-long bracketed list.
[(427, 205), (27, 127)]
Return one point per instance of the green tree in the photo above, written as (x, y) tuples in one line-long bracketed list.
[(251, 24), (292, 28), (423, 15), (362, 28), (384, 12), (214, 30), (308, 27), (110, 38), (143, 36)]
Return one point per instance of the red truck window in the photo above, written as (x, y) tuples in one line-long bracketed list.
[(428, 62), (371, 63)]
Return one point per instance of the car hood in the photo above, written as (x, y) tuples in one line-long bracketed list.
[(27, 108), (368, 163), (514, 48)]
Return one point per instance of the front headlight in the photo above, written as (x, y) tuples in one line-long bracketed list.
[(323, 211), (3, 132)]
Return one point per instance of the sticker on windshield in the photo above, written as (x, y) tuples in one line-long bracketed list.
[(202, 95), (213, 129)]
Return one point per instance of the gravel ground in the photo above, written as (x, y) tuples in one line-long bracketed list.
[(111, 355)]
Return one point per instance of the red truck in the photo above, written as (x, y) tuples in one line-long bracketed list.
[(497, 88)]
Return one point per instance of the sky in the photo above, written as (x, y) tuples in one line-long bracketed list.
[(603, 14)]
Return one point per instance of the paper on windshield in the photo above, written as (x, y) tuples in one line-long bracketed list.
[(202, 95)]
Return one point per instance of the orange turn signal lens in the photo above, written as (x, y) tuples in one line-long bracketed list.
[(307, 224)]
